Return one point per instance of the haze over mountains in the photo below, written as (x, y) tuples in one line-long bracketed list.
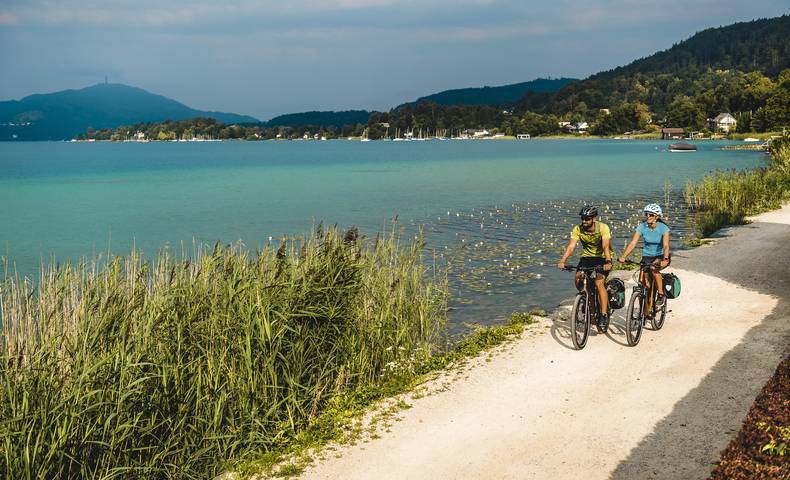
[(63, 115)]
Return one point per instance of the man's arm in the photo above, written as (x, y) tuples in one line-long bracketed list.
[(568, 252), (607, 253)]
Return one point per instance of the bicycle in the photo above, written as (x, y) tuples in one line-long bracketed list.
[(642, 305), (581, 315)]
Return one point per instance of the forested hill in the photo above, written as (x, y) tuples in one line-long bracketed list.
[(321, 119), (760, 45), (721, 61), (64, 115), (496, 95)]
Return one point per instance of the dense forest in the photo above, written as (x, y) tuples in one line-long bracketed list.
[(500, 95), (742, 69)]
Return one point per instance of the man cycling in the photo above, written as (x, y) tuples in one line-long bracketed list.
[(594, 237), (656, 249)]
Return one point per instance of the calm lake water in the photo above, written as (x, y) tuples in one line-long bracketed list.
[(498, 211)]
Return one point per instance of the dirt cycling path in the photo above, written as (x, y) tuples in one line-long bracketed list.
[(664, 409)]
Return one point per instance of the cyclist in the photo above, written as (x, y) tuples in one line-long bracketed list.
[(594, 237), (656, 245)]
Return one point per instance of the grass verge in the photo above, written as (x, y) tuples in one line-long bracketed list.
[(726, 198)]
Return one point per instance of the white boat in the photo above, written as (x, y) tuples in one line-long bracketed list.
[(682, 147), (751, 139)]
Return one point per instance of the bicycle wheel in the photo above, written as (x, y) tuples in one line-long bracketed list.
[(658, 317), (633, 319), (580, 321)]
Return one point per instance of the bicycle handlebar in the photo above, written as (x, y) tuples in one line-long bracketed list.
[(652, 265), (583, 269)]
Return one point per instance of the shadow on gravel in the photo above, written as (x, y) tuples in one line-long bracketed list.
[(687, 443), (561, 327)]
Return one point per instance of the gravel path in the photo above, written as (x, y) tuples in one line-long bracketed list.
[(662, 410)]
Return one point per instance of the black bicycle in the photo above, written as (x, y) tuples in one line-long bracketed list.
[(585, 305), (642, 305)]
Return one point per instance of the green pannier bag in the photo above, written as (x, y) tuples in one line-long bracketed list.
[(671, 285)]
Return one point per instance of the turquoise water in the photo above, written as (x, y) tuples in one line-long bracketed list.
[(74, 200)]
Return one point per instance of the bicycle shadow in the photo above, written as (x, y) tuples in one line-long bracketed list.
[(561, 328), (616, 330)]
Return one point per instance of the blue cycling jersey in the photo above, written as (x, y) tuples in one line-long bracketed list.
[(654, 247)]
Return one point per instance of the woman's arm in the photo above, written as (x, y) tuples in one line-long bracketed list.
[(665, 241), (629, 248)]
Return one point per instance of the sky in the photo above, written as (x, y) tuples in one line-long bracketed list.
[(265, 58)]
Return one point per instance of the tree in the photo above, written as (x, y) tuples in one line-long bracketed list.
[(684, 112)]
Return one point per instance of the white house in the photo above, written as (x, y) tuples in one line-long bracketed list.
[(724, 122)]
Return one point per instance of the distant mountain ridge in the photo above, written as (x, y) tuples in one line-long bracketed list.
[(65, 114), (496, 95)]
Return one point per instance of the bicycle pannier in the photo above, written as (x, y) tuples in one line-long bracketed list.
[(616, 290), (671, 285)]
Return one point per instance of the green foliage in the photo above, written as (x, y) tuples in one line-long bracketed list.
[(726, 198), (171, 368), (627, 117), (779, 444), (685, 113)]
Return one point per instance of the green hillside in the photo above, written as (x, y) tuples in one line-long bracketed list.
[(63, 115), (715, 60), (496, 95)]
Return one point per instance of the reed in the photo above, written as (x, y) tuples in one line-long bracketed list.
[(169, 368), (726, 198)]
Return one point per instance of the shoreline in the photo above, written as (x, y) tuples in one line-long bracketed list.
[(691, 397)]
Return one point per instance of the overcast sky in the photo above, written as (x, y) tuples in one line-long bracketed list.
[(264, 58)]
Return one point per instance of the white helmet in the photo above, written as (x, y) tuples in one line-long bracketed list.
[(652, 208)]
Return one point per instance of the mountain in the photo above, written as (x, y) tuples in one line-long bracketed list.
[(496, 95), (63, 115), (759, 45), (723, 59), (321, 119)]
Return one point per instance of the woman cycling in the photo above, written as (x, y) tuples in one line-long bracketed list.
[(656, 248)]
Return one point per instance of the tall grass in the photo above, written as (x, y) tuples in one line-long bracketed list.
[(726, 198), (164, 369)]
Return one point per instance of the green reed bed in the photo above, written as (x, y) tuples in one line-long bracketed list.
[(726, 198), (170, 368)]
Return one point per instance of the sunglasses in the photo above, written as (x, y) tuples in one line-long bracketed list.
[(587, 218), (651, 215)]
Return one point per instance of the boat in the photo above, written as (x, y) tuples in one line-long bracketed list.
[(682, 147), (751, 139)]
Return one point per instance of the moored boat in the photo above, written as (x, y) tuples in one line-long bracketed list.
[(682, 147)]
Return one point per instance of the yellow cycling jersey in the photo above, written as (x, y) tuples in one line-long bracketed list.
[(592, 242)]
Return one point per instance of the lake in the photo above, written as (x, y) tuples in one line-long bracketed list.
[(498, 212)]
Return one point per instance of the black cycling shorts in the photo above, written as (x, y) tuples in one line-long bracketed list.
[(649, 260), (593, 262)]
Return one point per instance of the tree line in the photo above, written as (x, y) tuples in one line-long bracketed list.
[(758, 102)]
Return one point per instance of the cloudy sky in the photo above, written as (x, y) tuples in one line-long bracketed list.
[(265, 58)]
